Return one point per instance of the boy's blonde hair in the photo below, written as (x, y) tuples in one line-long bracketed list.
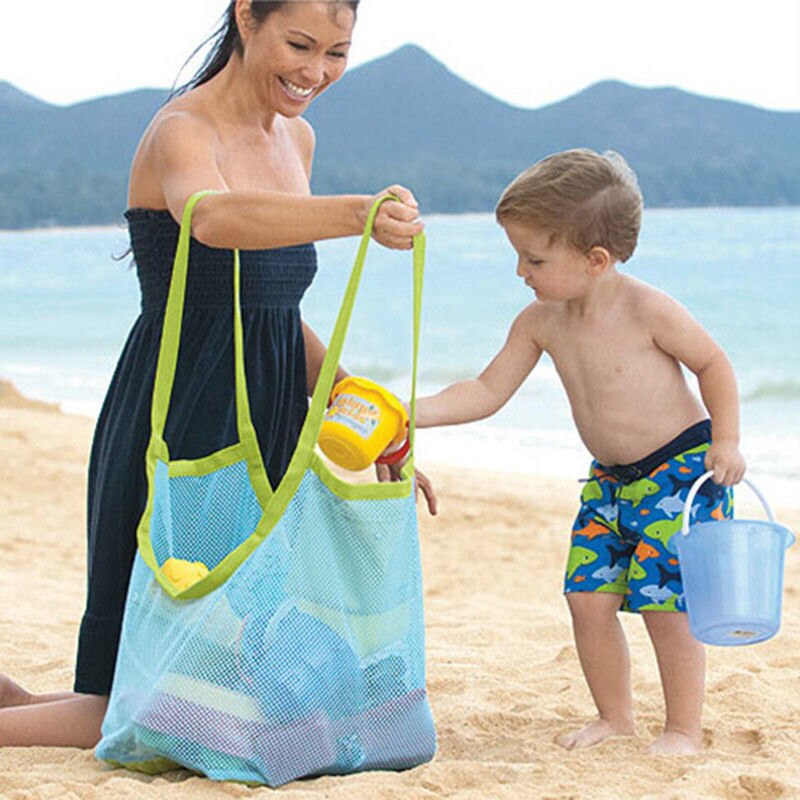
[(581, 198)]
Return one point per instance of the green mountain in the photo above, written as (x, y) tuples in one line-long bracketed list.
[(406, 118), (68, 165)]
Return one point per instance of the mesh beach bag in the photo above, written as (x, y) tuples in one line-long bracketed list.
[(301, 651)]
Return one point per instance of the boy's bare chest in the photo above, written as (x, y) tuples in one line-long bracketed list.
[(601, 352)]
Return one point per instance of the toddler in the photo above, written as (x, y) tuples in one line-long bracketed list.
[(618, 345)]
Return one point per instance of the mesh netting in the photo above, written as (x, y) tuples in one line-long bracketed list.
[(203, 517), (309, 659)]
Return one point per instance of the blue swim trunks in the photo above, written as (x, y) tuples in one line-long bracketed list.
[(628, 515)]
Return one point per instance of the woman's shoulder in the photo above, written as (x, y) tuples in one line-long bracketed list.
[(303, 137), (300, 127), (175, 128), (179, 119)]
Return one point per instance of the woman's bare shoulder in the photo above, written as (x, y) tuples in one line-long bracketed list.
[(178, 119), (301, 129), (304, 139), (176, 129)]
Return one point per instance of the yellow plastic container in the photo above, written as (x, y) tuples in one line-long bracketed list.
[(362, 420), (183, 574)]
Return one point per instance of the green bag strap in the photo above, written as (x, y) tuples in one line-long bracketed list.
[(304, 451), (327, 373), (170, 345), (419, 273)]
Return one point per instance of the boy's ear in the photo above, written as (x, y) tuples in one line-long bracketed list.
[(599, 260)]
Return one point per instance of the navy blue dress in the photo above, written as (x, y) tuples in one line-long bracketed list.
[(202, 414)]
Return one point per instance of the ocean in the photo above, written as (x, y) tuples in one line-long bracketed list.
[(67, 301)]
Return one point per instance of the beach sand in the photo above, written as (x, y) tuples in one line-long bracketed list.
[(503, 676)]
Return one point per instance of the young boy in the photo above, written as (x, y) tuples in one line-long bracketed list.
[(618, 345)]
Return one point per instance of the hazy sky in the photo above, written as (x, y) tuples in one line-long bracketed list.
[(527, 52)]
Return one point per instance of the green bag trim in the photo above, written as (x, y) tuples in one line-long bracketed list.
[(204, 466), (361, 491), (273, 503)]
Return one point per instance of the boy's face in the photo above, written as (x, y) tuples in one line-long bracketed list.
[(553, 270)]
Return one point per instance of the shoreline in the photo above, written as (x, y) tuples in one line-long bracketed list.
[(11, 397), (431, 215), (61, 229), (521, 479)]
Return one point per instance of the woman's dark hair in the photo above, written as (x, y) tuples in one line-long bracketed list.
[(225, 41)]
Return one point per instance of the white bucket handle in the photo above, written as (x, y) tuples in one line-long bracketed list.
[(687, 506)]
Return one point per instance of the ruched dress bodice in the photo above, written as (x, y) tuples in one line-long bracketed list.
[(202, 415), (202, 412)]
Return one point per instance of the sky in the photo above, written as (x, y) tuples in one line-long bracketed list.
[(527, 52)]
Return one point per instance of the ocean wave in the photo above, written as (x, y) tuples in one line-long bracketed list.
[(773, 390)]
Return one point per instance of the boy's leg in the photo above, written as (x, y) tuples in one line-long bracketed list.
[(73, 721), (604, 658), (681, 664), (595, 585), (657, 591)]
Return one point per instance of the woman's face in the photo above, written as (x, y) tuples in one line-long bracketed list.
[(296, 53)]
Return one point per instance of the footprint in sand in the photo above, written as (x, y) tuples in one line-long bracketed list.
[(750, 741), (758, 787)]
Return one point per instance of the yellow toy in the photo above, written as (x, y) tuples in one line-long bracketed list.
[(362, 421), (183, 574)]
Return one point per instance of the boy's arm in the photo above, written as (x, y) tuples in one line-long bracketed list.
[(679, 334), (481, 397)]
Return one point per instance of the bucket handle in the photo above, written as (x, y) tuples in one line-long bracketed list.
[(687, 506)]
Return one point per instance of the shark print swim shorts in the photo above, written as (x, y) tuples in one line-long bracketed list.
[(620, 536)]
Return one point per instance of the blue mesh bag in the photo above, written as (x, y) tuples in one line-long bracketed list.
[(301, 651)]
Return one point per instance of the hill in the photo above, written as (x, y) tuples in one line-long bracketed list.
[(406, 118)]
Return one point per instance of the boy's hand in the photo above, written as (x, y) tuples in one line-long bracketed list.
[(724, 458), (391, 472)]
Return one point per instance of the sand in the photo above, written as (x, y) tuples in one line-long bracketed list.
[(503, 676)]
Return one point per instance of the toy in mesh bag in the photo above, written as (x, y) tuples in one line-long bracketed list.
[(270, 635)]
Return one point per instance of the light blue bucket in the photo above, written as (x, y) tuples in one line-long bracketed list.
[(732, 574)]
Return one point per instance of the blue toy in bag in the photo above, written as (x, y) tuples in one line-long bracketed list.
[(295, 646)]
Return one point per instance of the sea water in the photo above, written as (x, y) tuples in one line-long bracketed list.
[(67, 301)]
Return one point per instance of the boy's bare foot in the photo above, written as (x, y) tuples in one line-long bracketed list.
[(673, 743), (12, 694), (594, 733)]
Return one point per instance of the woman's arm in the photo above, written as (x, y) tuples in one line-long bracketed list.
[(185, 149)]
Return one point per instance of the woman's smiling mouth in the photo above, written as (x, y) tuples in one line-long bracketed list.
[(297, 92)]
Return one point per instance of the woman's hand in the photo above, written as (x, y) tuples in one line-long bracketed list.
[(391, 472), (396, 223)]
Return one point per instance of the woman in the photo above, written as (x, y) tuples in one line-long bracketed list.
[(236, 129)]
